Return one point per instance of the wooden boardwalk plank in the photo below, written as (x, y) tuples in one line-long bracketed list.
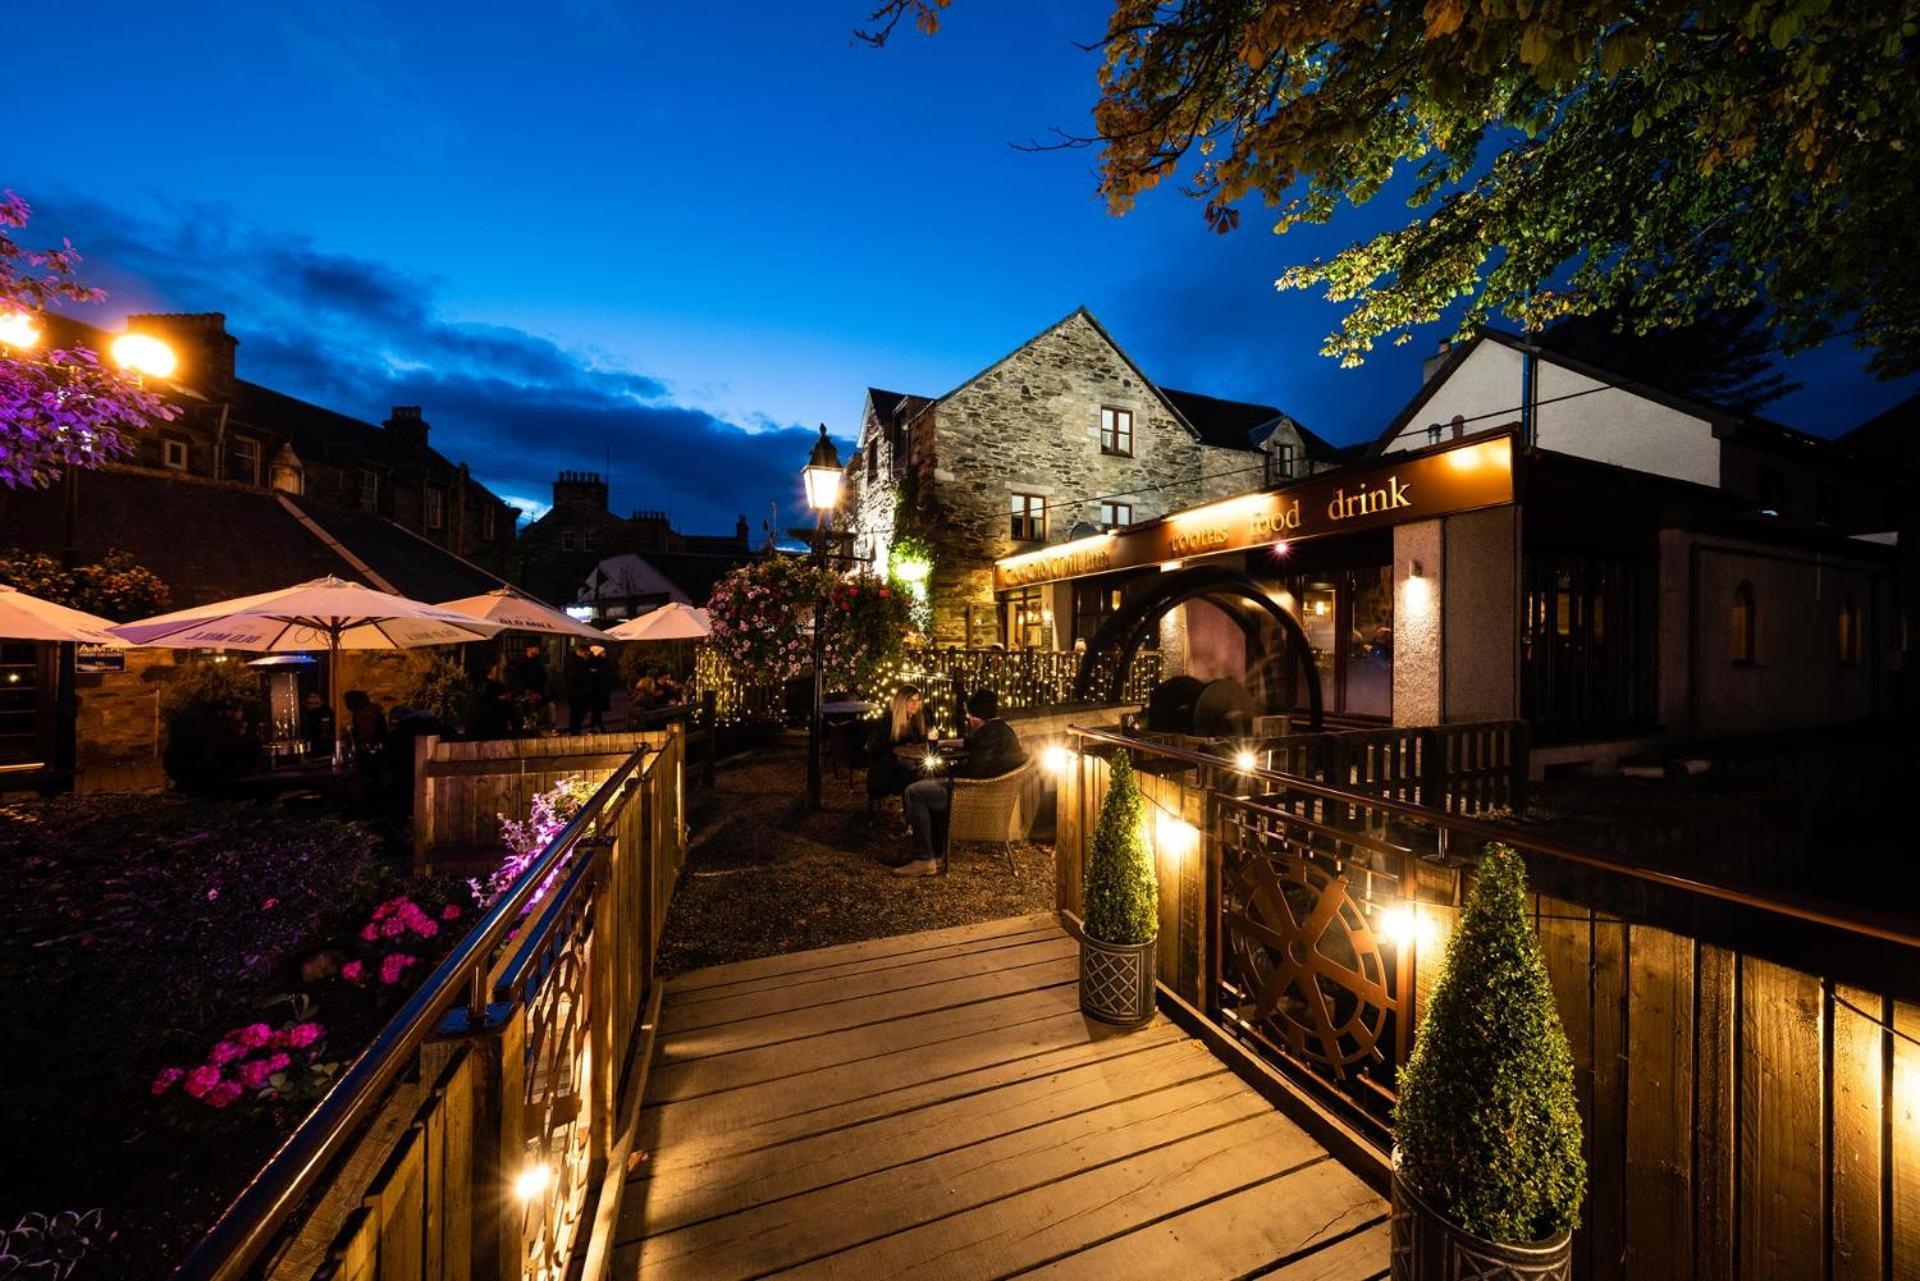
[(861, 987), (1322, 1220), (937, 1106), (872, 949), (1054, 967)]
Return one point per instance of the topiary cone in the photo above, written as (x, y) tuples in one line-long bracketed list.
[(1123, 896), (1487, 1127)]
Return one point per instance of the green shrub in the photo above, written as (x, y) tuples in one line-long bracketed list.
[(1123, 898), (1488, 1126), (212, 713), (436, 684)]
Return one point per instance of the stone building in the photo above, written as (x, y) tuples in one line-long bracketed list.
[(560, 551), (1064, 433)]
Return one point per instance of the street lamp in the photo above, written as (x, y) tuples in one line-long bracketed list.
[(144, 356), (821, 477), (18, 332)]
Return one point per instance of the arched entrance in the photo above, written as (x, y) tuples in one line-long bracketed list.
[(1103, 668)]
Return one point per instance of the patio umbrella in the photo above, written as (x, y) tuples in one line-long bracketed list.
[(28, 618), (326, 612), (521, 613), (669, 622)]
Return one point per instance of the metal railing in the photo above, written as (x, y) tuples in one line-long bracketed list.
[(1735, 1048), (480, 989)]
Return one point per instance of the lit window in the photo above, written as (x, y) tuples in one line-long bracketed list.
[(1282, 461), (1116, 432), (1029, 518), (174, 454), (436, 507), (1740, 625), (1849, 630), (1116, 515), (243, 460)]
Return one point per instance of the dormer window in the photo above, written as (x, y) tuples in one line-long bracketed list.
[(243, 460)]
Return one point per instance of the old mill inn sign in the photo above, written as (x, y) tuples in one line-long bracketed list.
[(1457, 477)]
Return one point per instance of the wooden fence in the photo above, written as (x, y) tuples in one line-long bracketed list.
[(476, 1136), (1748, 1071)]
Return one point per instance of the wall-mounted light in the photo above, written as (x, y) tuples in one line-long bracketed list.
[(1168, 566), (1415, 569), (532, 1180), (1404, 926), (1057, 759), (1282, 547), (1175, 837)]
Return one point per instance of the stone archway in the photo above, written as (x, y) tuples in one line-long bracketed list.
[(1229, 590)]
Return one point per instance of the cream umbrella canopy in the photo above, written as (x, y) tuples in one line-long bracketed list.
[(670, 622), (518, 613), (327, 612), (28, 618)]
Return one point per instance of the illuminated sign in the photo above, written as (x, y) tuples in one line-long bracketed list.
[(1458, 477)]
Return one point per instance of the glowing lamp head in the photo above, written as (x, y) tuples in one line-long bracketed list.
[(1405, 928), (1057, 759), (821, 475), (532, 1180), (145, 355), (18, 331), (1176, 837), (1245, 759)]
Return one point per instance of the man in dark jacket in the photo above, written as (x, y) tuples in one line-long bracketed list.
[(992, 749)]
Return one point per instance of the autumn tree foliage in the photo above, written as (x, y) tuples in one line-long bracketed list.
[(1668, 157), (59, 408)]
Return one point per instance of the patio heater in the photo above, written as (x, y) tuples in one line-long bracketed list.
[(821, 476)]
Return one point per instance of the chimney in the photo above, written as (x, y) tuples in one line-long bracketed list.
[(1431, 365), (740, 531), (406, 423), (575, 491), (201, 342)]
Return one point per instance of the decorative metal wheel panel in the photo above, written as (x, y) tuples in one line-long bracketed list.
[(1299, 950), (559, 1077)]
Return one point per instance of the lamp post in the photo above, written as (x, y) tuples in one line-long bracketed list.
[(821, 477)]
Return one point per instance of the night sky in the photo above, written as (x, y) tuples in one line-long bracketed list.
[(672, 236)]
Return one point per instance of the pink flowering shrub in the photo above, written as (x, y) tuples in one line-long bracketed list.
[(762, 616), (398, 936), (257, 1062), (551, 811)]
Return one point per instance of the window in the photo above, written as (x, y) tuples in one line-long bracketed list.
[(1116, 432), (1027, 620), (1849, 630), (436, 507), (174, 454), (1740, 625), (243, 460), (489, 518), (587, 540), (873, 459), (1773, 492), (566, 540), (1280, 461), (369, 488), (1116, 515), (1029, 518)]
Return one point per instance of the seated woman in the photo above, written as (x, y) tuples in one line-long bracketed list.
[(905, 725)]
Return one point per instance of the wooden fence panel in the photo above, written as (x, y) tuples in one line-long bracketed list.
[(1659, 1147), (1859, 1081), (1607, 1180), (1781, 1141), (398, 1199), (1716, 1137), (1904, 1142)]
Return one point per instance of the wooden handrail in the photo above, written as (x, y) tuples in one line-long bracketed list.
[(1851, 922), (245, 1231)]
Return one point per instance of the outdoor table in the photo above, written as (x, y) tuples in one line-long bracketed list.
[(914, 757)]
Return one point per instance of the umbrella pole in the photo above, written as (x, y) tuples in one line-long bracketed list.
[(333, 684)]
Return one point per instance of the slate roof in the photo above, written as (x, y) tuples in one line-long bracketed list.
[(1240, 424), (321, 433), (209, 541), (1891, 436)]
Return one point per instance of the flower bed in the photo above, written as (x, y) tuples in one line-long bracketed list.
[(180, 980)]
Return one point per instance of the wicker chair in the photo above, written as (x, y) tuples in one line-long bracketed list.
[(994, 809)]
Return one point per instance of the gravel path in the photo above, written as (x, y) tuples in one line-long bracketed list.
[(765, 877)]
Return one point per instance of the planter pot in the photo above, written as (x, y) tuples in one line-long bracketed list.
[(1428, 1246), (1116, 981)]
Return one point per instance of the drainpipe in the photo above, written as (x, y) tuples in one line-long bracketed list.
[(1529, 392)]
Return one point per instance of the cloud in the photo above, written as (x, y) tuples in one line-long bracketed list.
[(359, 335)]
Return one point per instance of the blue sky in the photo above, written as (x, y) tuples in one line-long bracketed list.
[(676, 236)]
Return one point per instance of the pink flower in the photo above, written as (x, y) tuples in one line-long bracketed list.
[(224, 1093), (353, 971), (226, 1052), (254, 1073), (370, 932), (269, 905), (201, 1080), (279, 1061), (253, 1036), (393, 927), (302, 1035), (451, 912), (425, 929), (168, 1078), (395, 965), (213, 894)]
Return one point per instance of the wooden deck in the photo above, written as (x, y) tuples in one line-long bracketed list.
[(935, 1105)]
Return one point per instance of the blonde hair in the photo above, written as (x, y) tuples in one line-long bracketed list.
[(904, 719)]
